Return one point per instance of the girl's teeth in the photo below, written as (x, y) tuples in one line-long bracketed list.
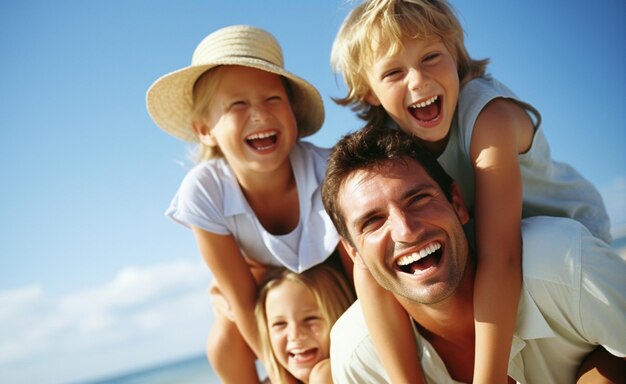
[(264, 135)]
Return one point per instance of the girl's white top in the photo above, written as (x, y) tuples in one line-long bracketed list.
[(211, 198)]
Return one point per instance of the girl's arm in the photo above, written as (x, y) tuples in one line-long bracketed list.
[(389, 325), (223, 257), (320, 374), (502, 131)]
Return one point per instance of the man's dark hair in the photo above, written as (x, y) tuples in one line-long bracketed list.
[(366, 149)]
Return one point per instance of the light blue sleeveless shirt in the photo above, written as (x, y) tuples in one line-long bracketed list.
[(550, 188)]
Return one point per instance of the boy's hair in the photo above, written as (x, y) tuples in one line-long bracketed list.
[(383, 24), (372, 148), (203, 92), (332, 294)]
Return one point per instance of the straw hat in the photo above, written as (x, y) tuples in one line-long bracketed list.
[(169, 99)]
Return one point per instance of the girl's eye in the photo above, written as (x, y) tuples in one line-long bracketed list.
[(279, 325), (238, 104), (274, 98)]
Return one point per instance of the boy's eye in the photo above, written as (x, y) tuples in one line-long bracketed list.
[(432, 57), (390, 74)]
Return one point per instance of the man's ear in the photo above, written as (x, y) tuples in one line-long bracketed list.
[(458, 204), (372, 99), (353, 253), (204, 133)]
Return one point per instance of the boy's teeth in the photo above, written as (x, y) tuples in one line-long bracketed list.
[(415, 256), (425, 102), (262, 135)]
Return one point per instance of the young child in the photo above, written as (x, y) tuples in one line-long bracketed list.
[(406, 60), (294, 314), (253, 201)]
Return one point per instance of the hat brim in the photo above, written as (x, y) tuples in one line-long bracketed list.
[(170, 100)]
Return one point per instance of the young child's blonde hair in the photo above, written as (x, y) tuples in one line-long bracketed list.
[(377, 25), (332, 294)]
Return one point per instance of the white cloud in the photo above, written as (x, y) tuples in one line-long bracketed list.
[(142, 316), (614, 195)]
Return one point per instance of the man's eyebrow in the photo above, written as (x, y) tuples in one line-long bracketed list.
[(414, 190)]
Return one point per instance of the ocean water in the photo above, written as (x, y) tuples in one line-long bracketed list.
[(195, 370)]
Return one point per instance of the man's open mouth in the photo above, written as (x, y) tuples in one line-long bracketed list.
[(420, 260), (426, 110)]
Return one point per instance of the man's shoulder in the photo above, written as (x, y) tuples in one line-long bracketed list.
[(353, 357), (348, 332)]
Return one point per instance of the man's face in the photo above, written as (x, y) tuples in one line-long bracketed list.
[(405, 231)]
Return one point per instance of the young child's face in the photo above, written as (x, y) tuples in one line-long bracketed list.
[(251, 120), (418, 87), (299, 335)]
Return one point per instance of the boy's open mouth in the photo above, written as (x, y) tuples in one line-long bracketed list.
[(420, 260), (262, 141), (426, 110)]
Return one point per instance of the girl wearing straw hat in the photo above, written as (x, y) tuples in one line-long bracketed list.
[(253, 201)]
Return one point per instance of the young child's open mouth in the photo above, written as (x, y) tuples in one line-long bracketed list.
[(420, 260), (303, 355), (262, 141), (427, 110)]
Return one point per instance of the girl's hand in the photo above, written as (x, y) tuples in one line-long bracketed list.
[(320, 374)]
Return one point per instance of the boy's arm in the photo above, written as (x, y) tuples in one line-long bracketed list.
[(390, 329), (601, 367), (502, 131)]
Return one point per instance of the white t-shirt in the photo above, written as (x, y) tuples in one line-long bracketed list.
[(211, 198), (573, 299)]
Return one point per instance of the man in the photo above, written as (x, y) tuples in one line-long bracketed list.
[(402, 217)]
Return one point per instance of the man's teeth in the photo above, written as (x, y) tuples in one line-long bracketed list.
[(424, 103), (262, 135), (415, 256)]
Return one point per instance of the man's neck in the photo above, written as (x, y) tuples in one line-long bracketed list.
[(449, 327)]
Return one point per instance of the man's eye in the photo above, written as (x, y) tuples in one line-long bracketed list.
[(418, 199), (372, 224)]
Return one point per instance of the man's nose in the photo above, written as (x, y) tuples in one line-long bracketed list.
[(405, 228)]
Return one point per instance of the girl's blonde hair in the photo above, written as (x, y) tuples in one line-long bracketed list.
[(203, 92), (332, 295), (377, 25)]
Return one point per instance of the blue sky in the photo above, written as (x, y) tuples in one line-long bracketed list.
[(93, 278)]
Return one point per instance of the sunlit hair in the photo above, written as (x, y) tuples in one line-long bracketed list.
[(373, 148), (377, 27), (203, 93), (332, 295)]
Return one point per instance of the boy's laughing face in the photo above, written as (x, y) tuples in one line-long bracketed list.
[(419, 89)]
